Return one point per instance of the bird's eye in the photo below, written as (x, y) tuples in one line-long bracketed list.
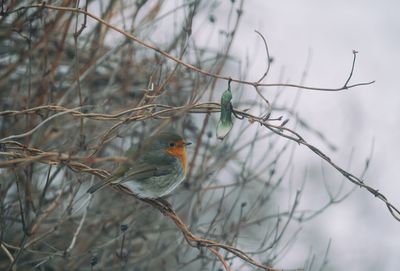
[(172, 144)]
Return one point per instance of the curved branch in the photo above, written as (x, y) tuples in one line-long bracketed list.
[(195, 241), (177, 60)]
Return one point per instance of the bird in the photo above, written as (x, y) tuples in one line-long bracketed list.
[(151, 171)]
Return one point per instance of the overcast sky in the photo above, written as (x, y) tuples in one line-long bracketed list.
[(364, 235)]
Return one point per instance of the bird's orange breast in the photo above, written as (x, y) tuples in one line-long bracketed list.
[(179, 151)]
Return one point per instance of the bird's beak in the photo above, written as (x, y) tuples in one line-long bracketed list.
[(187, 143)]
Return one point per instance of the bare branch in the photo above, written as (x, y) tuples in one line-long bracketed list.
[(177, 60)]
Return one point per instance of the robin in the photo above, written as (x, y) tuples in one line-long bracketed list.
[(153, 170)]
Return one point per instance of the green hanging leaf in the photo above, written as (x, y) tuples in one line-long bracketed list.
[(225, 122)]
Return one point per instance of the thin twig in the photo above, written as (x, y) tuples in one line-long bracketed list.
[(268, 57), (12, 137), (9, 255), (78, 229), (352, 68)]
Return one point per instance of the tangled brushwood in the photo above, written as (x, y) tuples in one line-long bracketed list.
[(80, 84)]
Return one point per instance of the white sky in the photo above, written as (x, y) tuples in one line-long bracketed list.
[(364, 235)]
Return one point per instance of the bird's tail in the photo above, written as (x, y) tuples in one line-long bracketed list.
[(100, 185)]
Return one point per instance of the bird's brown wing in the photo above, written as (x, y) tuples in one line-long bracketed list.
[(123, 174), (143, 172)]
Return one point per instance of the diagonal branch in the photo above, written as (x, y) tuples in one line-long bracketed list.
[(195, 241)]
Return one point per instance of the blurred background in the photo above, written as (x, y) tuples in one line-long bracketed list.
[(93, 92), (363, 236)]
